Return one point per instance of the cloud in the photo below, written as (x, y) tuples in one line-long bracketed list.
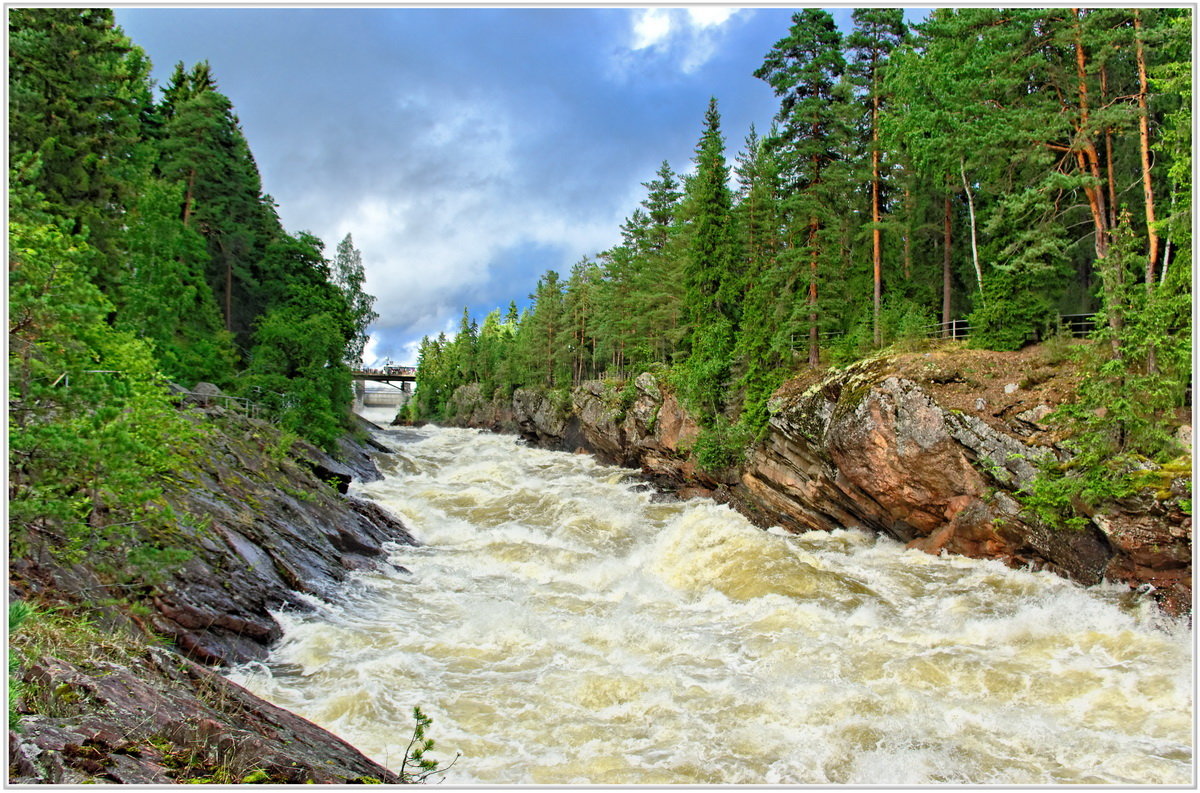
[(686, 37), (650, 27), (437, 218), (467, 150), (710, 16)]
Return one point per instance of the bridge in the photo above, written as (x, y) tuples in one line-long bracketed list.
[(387, 374), (397, 396)]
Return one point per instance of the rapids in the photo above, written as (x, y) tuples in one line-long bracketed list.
[(562, 625)]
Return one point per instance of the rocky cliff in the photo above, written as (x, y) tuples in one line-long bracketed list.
[(113, 682), (928, 448)]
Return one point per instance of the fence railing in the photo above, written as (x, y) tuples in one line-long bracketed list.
[(954, 329), (1074, 325), (241, 404), (1077, 325)]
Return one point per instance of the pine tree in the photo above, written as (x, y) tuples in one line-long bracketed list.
[(804, 69), (877, 31)]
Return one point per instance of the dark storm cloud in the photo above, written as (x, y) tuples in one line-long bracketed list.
[(468, 150)]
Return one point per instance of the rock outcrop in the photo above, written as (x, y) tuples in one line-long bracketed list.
[(875, 446), (156, 718), (264, 522)]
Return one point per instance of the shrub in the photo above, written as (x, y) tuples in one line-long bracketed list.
[(721, 445)]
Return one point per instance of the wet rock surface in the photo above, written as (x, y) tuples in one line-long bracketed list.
[(158, 718)]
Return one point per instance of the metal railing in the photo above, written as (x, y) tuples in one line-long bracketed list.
[(1077, 325), (1074, 325), (955, 329), (241, 404)]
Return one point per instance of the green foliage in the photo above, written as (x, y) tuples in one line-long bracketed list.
[(720, 446), (297, 372), (1014, 313), (141, 249), (1137, 375), (19, 613), (88, 408), (416, 768), (702, 380), (153, 565), (163, 296), (78, 91)]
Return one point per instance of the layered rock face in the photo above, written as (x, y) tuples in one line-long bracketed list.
[(264, 525), (871, 448), (266, 522)]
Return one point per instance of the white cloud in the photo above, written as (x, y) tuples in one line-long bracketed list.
[(710, 16), (650, 26), (688, 36), (439, 215)]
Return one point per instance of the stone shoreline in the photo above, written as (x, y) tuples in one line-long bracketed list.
[(872, 447)]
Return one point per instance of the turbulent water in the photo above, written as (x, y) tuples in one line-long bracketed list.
[(562, 625)]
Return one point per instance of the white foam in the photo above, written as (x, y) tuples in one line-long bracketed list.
[(563, 628)]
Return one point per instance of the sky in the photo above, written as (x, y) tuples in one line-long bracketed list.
[(469, 150)]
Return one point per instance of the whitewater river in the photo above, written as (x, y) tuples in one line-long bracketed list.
[(562, 625)]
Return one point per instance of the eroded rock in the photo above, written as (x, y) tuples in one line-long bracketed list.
[(867, 447), (161, 719)]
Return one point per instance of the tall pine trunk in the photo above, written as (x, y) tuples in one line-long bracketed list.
[(876, 234), (946, 281), (1086, 156), (814, 348), (1144, 140), (1147, 185)]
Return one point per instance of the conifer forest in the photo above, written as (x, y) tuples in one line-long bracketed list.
[(774, 532), (989, 174), (143, 252), (985, 173)]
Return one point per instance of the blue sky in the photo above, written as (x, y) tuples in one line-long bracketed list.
[(469, 150)]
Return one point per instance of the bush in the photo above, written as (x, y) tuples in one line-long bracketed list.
[(721, 445)]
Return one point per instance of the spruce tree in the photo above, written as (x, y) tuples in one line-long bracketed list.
[(78, 92), (713, 284)]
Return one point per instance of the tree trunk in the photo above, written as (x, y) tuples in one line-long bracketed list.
[(908, 213), (1108, 154), (1086, 155), (814, 349), (1144, 138), (946, 282), (187, 196), (228, 290), (876, 237), (971, 212)]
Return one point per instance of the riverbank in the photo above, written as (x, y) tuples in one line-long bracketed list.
[(112, 679), (565, 624), (931, 448)]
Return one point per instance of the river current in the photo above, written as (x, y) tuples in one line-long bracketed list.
[(562, 624)]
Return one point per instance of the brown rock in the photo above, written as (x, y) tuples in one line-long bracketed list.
[(866, 447)]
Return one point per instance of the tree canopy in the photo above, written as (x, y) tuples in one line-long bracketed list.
[(991, 168), (144, 252)]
